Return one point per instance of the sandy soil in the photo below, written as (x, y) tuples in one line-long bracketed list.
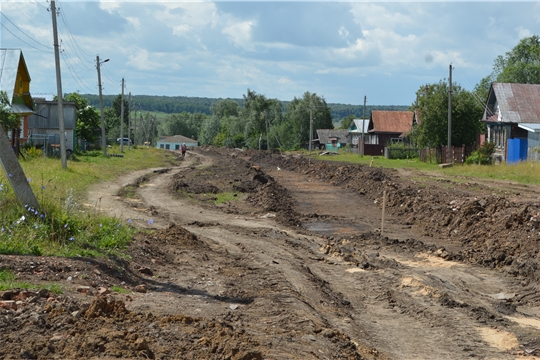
[(294, 266)]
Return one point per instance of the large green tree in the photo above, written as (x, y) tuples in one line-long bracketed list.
[(259, 114), (294, 130), (433, 109), (88, 119), (521, 64), (179, 124)]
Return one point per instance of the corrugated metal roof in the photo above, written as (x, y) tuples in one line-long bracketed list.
[(176, 139), (21, 109), (358, 124), (392, 121), (530, 127), (517, 103), (324, 135), (9, 65)]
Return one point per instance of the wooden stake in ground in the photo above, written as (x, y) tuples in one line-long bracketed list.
[(15, 173), (383, 209)]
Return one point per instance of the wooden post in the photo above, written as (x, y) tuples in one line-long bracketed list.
[(15, 173), (383, 209)]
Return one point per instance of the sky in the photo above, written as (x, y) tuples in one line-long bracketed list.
[(341, 51)]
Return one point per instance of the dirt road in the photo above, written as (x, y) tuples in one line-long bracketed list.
[(291, 265)]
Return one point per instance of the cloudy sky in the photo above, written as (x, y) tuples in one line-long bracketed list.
[(342, 51)]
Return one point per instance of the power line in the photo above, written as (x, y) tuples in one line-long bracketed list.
[(74, 75), (64, 20), (26, 16), (28, 36), (481, 102), (33, 47), (43, 6)]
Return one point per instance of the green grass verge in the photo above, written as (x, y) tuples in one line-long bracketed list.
[(524, 172), (62, 227), (7, 282)]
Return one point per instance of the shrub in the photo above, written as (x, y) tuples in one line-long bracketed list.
[(401, 151), (483, 155)]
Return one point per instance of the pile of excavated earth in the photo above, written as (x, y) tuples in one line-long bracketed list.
[(262, 255)]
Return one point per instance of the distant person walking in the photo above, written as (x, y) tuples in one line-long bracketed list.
[(183, 148)]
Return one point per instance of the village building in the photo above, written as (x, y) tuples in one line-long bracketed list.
[(15, 82), (174, 142), (512, 117)]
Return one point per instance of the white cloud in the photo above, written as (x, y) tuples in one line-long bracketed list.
[(371, 15), (183, 29), (522, 32), (240, 34)]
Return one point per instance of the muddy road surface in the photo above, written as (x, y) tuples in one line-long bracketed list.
[(248, 255)]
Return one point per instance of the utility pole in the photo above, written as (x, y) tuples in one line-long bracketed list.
[(59, 89), (363, 126), (122, 119), (310, 124), (266, 123), (449, 114), (129, 122), (103, 135)]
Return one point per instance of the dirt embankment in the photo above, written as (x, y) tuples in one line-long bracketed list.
[(493, 230)]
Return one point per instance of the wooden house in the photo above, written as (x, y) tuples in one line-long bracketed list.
[(388, 127), (15, 81), (355, 132), (512, 117), (174, 142), (332, 139)]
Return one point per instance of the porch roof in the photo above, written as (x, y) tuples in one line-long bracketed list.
[(535, 128)]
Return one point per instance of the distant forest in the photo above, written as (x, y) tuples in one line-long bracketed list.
[(179, 104)]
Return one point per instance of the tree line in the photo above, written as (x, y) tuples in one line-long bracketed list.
[(192, 105)]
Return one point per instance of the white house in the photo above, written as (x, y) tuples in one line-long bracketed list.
[(174, 142)]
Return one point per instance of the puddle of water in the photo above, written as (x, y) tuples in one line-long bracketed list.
[(335, 228)]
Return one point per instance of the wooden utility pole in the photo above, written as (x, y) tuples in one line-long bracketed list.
[(15, 173), (103, 135), (122, 119), (129, 122), (363, 126), (59, 89), (266, 123), (448, 152), (310, 124)]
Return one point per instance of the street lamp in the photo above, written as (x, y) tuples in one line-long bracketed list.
[(103, 135)]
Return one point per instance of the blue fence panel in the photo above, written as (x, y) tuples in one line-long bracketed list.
[(517, 150)]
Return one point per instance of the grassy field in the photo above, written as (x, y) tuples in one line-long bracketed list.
[(61, 226)]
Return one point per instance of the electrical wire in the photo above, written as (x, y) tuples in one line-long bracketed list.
[(77, 48), (75, 76), (478, 100), (109, 75), (33, 47), (26, 16), (43, 6)]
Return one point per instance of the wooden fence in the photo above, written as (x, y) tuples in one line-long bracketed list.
[(454, 155)]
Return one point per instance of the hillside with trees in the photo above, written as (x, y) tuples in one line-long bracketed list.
[(193, 105)]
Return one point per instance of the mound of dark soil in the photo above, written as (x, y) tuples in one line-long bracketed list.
[(494, 231)]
